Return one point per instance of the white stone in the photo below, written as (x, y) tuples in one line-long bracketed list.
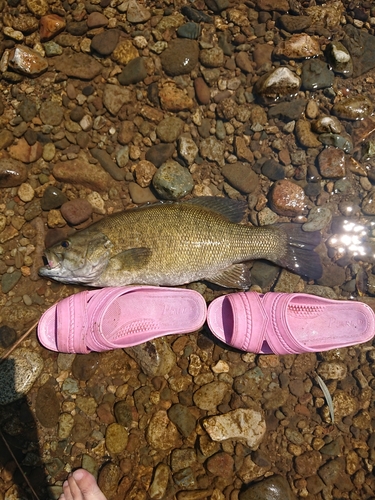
[(187, 148), (246, 424), (97, 202), (25, 192)]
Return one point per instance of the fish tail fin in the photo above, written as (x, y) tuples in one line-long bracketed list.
[(300, 256)]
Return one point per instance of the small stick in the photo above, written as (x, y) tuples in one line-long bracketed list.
[(19, 467), (24, 336)]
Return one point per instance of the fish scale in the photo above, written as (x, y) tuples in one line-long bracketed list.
[(176, 243)]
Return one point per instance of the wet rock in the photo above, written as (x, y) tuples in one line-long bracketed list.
[(182, 459), (187, 148), (174, 99), (116, 439), (107, 163), (353, 108), (76, 211), (328, 15), (161, 433), (22, 151), (106, 42), (108, 479), (213, 149), (27, 61), (80, 171), (294, 24), (298, 46), (209, 396), (18, 373), (50, 26), (288, 110), (96, 20), (47, 406), (12, 172), (273, 170), (305, 136), (52, 197), (115, 97), (159, 153), (141, 195), (220, 464), (332, 370), (271, 488), (339, 58), (172, 181), (242, 423), (123, 413), (278, 83), (154, 357), (316, 75), (287, 198), (212, 58), (189, 30), (326, 124), (338, 141), (270, 5), (318, 218), (183, 419), (159, 484), (134, 72), (78, 65), (125, 52), (25, 192), (361, 46), (241, 176), (180, 57), (8, 335), (196, 15), (169, 129), (332, 163), (137, 13)]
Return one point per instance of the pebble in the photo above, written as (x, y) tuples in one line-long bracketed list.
[(161, 433), (318, 218), (8, 336), (141, 195), (353, 108), (22, 151), (134, 72), (78, 65), (107, 163), (169, 129), (174, 99), (360, 45), (213, 150), (116, 439), (47, 406), (108, 479), (278, 83), (209, 396), (26, 192), (339, 58), (18, 374), (241, 176), (316, 75), (155, 357), (80, 171), (27, 61), (159, 484), (326, 124), (298, 46), (246, 424), (273, 170), (144, 172), (187, 148), (137, 12), (332, 163), (12, 172), (294, 24), (189, 30), (305, 136), (172, 181), (96, 20), (339, 141), (52, 198), (332, 370), (114, 97), (212, 58), (124, 52), (106, 42), (50, 26), (76, 211), (180, 57), (287, 198), (183, 419), (272, 488)]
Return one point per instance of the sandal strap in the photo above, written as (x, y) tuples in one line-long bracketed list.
[(72, 311)]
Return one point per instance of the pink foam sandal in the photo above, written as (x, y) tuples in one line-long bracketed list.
[(111, 318), (289, 323)]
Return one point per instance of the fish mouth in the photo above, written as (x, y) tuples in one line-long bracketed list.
[(52, 263)]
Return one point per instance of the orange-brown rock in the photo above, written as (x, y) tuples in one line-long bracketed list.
[(22, 151), (50, 26)]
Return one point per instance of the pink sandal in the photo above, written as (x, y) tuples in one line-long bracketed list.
[(112, 318), (289, 323)]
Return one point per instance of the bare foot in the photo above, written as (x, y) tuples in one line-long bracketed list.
[(81, 485)]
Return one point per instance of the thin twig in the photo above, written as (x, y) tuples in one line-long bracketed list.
[(16, 344), (18, 465)]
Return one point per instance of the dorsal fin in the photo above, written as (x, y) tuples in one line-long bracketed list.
[(233, 210)]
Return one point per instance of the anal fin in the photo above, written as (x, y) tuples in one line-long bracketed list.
[(235, 276)]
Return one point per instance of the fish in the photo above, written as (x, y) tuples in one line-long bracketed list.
[(175, 243)]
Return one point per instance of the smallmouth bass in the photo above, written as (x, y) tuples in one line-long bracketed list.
[(173, 244)]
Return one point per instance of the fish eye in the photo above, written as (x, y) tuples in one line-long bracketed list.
[(65, 244)]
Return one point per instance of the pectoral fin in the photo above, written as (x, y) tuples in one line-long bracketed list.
[(131, 260), (235, 276)]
